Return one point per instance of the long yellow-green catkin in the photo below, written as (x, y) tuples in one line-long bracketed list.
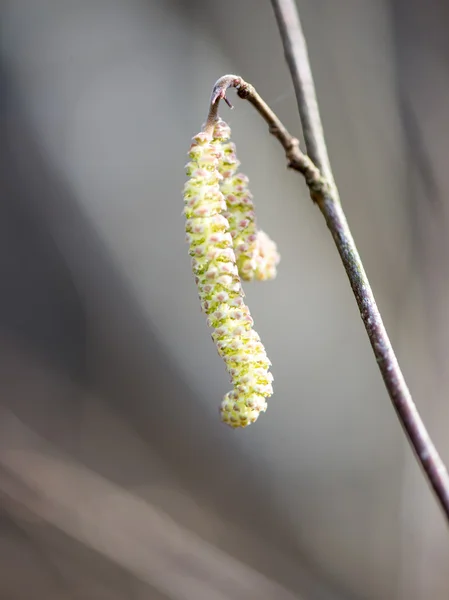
[(256, 254), (219, 286)]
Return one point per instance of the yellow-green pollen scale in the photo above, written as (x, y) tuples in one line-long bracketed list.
[(219, 286), (256, 254)]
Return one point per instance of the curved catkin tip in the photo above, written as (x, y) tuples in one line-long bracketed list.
[(240, 411), (216, 273), (256, 254)]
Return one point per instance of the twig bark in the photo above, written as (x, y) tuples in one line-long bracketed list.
[(295, 49), (318, 176)]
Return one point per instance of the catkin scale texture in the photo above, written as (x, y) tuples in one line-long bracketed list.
[(256, 254), (216, 272)]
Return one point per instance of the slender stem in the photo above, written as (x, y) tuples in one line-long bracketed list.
[(296, 55), (295, 49), (325, 195), (296, 159)]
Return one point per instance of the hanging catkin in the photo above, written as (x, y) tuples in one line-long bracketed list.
[(217, 276)]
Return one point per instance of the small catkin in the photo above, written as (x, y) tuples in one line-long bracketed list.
[(256, 254), (267, 258), (219, 286)]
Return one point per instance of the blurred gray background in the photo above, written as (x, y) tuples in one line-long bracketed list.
[(117, 479)]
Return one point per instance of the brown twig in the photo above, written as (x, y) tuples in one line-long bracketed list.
[(296, 159), (295, 49), (297, 58), (324, 193)]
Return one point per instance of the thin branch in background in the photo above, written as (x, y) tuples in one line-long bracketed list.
[(295, 49), (324, 193)]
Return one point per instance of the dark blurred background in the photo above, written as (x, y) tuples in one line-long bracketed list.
[(117, 479)]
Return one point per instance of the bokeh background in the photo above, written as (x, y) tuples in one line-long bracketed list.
[(117, 479)]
